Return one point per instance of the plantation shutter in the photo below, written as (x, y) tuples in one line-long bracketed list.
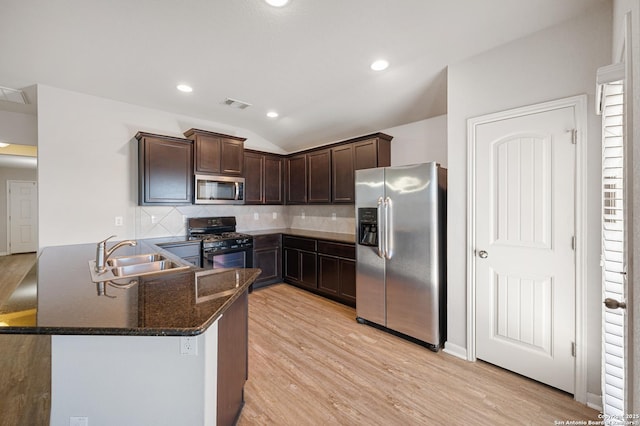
[(611, 105)]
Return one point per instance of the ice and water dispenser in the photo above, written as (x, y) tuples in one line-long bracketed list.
[(368, 226)]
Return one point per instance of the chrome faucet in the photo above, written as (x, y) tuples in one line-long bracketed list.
[(102, 254)]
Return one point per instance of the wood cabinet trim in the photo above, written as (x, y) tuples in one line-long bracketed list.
[(141, 135), (191, 132), (381, 136)]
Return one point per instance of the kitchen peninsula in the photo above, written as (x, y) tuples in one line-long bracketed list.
[(156, 350)]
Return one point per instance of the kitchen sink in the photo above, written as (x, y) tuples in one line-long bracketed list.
[(144, 268), (123, 261), (124, 267)]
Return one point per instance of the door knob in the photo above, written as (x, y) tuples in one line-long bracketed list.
[(614, 304), (483, 254)]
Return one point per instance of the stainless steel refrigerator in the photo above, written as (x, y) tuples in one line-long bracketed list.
[(401, 250)]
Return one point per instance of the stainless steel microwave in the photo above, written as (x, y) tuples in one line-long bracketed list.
[(219, 190)]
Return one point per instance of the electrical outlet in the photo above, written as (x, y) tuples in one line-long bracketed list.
[(119, 221), (256, 216), (333, 216), (275, 215), (78, 421), (303, 215), (188, 345), (154, 219)]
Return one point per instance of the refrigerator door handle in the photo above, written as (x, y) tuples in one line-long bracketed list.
[(388, 229), (381, 237)]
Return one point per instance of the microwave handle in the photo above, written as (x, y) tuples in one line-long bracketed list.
[(237, 190)]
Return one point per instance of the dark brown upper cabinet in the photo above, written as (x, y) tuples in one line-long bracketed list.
[(216, 153), (263, 175), (165, 170), (253, 178), (273, 179), (372, 151), (319, 178), (342, 175), (361, 153), (296, 179)]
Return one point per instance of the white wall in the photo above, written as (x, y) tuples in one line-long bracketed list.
[(555, 63), (18, 128), (87, 169), (419, 142)]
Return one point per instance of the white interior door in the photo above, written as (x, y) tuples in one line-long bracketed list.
[(524, 245), (23, 219)]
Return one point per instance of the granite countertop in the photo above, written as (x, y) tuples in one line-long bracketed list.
[(57, 296), (306, 233)]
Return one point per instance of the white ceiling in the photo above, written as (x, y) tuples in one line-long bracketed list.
[(309, 60)]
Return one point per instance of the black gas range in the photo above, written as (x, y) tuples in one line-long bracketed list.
[(222, 246)]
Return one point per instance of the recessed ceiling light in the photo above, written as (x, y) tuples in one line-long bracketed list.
[(184, 88), (379, 65), (4, 144), (277, 3), (272, 114)]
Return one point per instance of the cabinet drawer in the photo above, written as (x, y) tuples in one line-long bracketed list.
[(299, 243), (266, 241), (337, 249)]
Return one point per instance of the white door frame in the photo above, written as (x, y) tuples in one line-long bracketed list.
[(8, 224), (579, 103)]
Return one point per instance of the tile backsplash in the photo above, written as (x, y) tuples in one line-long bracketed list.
[(152, 222)]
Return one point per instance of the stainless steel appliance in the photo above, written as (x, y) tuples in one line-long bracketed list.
[(401, 250), (212, 189), (222, 246)]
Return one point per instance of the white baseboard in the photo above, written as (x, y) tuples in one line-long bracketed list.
[(455, 350), (594, 401)]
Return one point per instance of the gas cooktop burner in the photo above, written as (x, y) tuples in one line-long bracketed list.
[(217, 234), (220, 237)]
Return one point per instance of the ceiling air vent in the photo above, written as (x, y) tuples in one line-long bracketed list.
[(234, 103), (12, 95)]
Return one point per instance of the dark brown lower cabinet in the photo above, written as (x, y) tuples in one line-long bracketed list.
[(267, 255), (324, 267), (337, 271), (300, 267), (337, 277), (233, 362), (300, 261)]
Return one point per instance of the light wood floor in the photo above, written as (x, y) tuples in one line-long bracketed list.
[(311, 363), (25, 361)]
